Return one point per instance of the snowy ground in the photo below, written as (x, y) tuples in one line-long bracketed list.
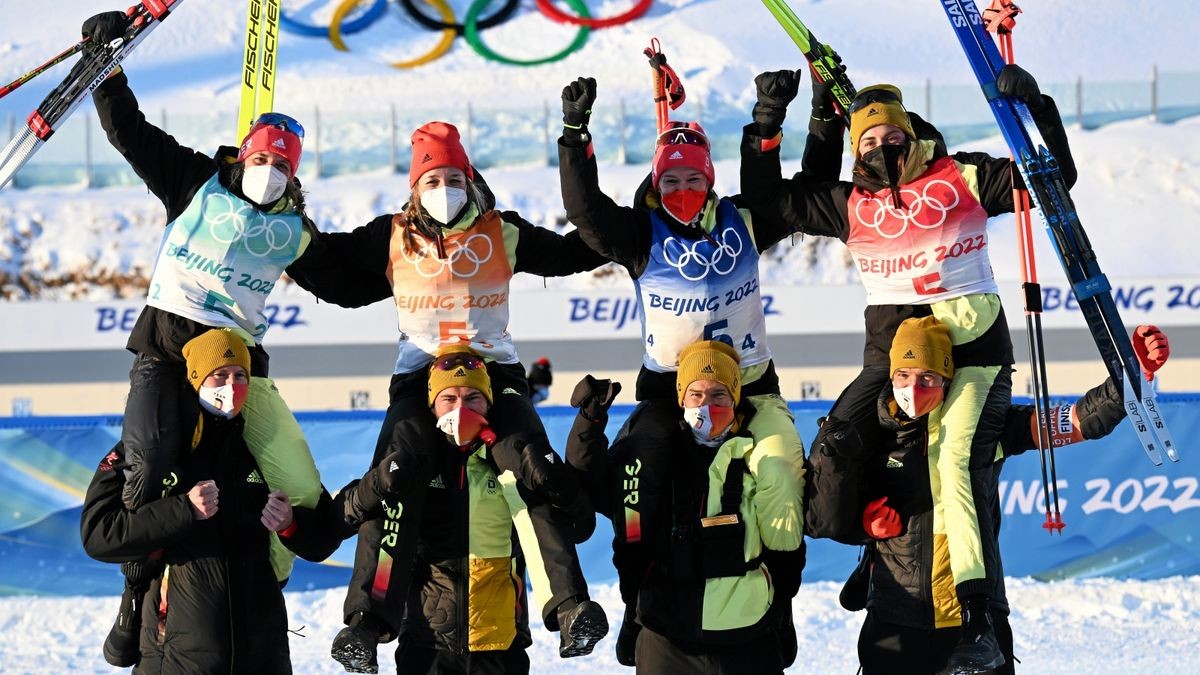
[(1096, 626)]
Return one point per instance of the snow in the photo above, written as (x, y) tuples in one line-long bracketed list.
[(1095, 626), (1137, 190), (70, 243)]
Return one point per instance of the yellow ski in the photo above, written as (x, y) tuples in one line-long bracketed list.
[(260, 62)]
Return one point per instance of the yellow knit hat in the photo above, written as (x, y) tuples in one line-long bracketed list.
[(875, 113), (709, 360), (211, 350), (458, 375), (923, 343)]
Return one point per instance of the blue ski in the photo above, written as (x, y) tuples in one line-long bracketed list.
[(1048, 191)]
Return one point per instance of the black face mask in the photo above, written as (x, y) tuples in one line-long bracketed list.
[(887, 164)]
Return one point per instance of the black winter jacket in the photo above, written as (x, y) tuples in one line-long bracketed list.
[(215, 606), (911, 583)]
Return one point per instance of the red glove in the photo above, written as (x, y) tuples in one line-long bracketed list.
[(880, 520), (1152, 349)]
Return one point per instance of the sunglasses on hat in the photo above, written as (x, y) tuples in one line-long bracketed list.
[(279, 121), (866, 98), (682, 135), (452, 361)]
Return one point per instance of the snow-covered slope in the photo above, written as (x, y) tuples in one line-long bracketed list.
[(1136, 177), (1098, 627)]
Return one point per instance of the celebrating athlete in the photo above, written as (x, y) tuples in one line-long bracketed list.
[(914, 219), (235, 223), (693, 257), (446, 261)]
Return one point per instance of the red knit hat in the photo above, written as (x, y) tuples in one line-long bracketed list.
[(436, 145), (276, 139), (684, 145)]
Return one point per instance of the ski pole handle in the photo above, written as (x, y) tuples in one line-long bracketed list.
[(65, 54)]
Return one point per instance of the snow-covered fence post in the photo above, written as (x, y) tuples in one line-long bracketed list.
[(929, 100), (470, 130), (1079, 100), (546, 132), (621, 133), (1154, 92), (87, 151), (164, 121), (317, 140), (395, 139)]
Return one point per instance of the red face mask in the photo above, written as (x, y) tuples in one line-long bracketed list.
[(226, 400), (685, 205), (462, 425), (916, 400)]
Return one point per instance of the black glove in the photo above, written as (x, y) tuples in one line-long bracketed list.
[(105, 27), (822, 99), (536, 465), (577, 100), (1015, 81), (627, 637), (594, 397), (776, 90), (364, 500)]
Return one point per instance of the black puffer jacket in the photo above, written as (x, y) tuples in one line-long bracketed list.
[(216, 606)]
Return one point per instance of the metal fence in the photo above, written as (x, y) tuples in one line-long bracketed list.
[(344, 142)]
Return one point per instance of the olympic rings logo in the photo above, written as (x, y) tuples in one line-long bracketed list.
[(427, 263), (473, 23), (925, 210), (259, 235), (694, 265)]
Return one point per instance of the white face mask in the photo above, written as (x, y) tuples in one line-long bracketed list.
[(224, 401), (705, 429), (444, 204), (263, 184)]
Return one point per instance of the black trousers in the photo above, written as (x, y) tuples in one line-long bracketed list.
[(657, 655), (379, 582), (412, 659), (891, 648)]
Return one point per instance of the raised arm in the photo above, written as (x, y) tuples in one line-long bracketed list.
[(619, 233), (812, 202), (996, 175)]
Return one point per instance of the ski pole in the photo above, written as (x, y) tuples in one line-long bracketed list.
[(64, 55), (668, 89), (1000, 19)]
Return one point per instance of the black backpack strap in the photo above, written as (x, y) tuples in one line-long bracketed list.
[(731, 491)]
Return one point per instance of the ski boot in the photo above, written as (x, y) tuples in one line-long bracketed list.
[(121, 647), (977, 650), (581, 625), (356, 645)]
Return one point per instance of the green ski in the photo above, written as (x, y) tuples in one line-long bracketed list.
[(819, 56)]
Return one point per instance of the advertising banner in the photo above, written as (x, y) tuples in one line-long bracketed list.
[(1125, 517), (541, 314)]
